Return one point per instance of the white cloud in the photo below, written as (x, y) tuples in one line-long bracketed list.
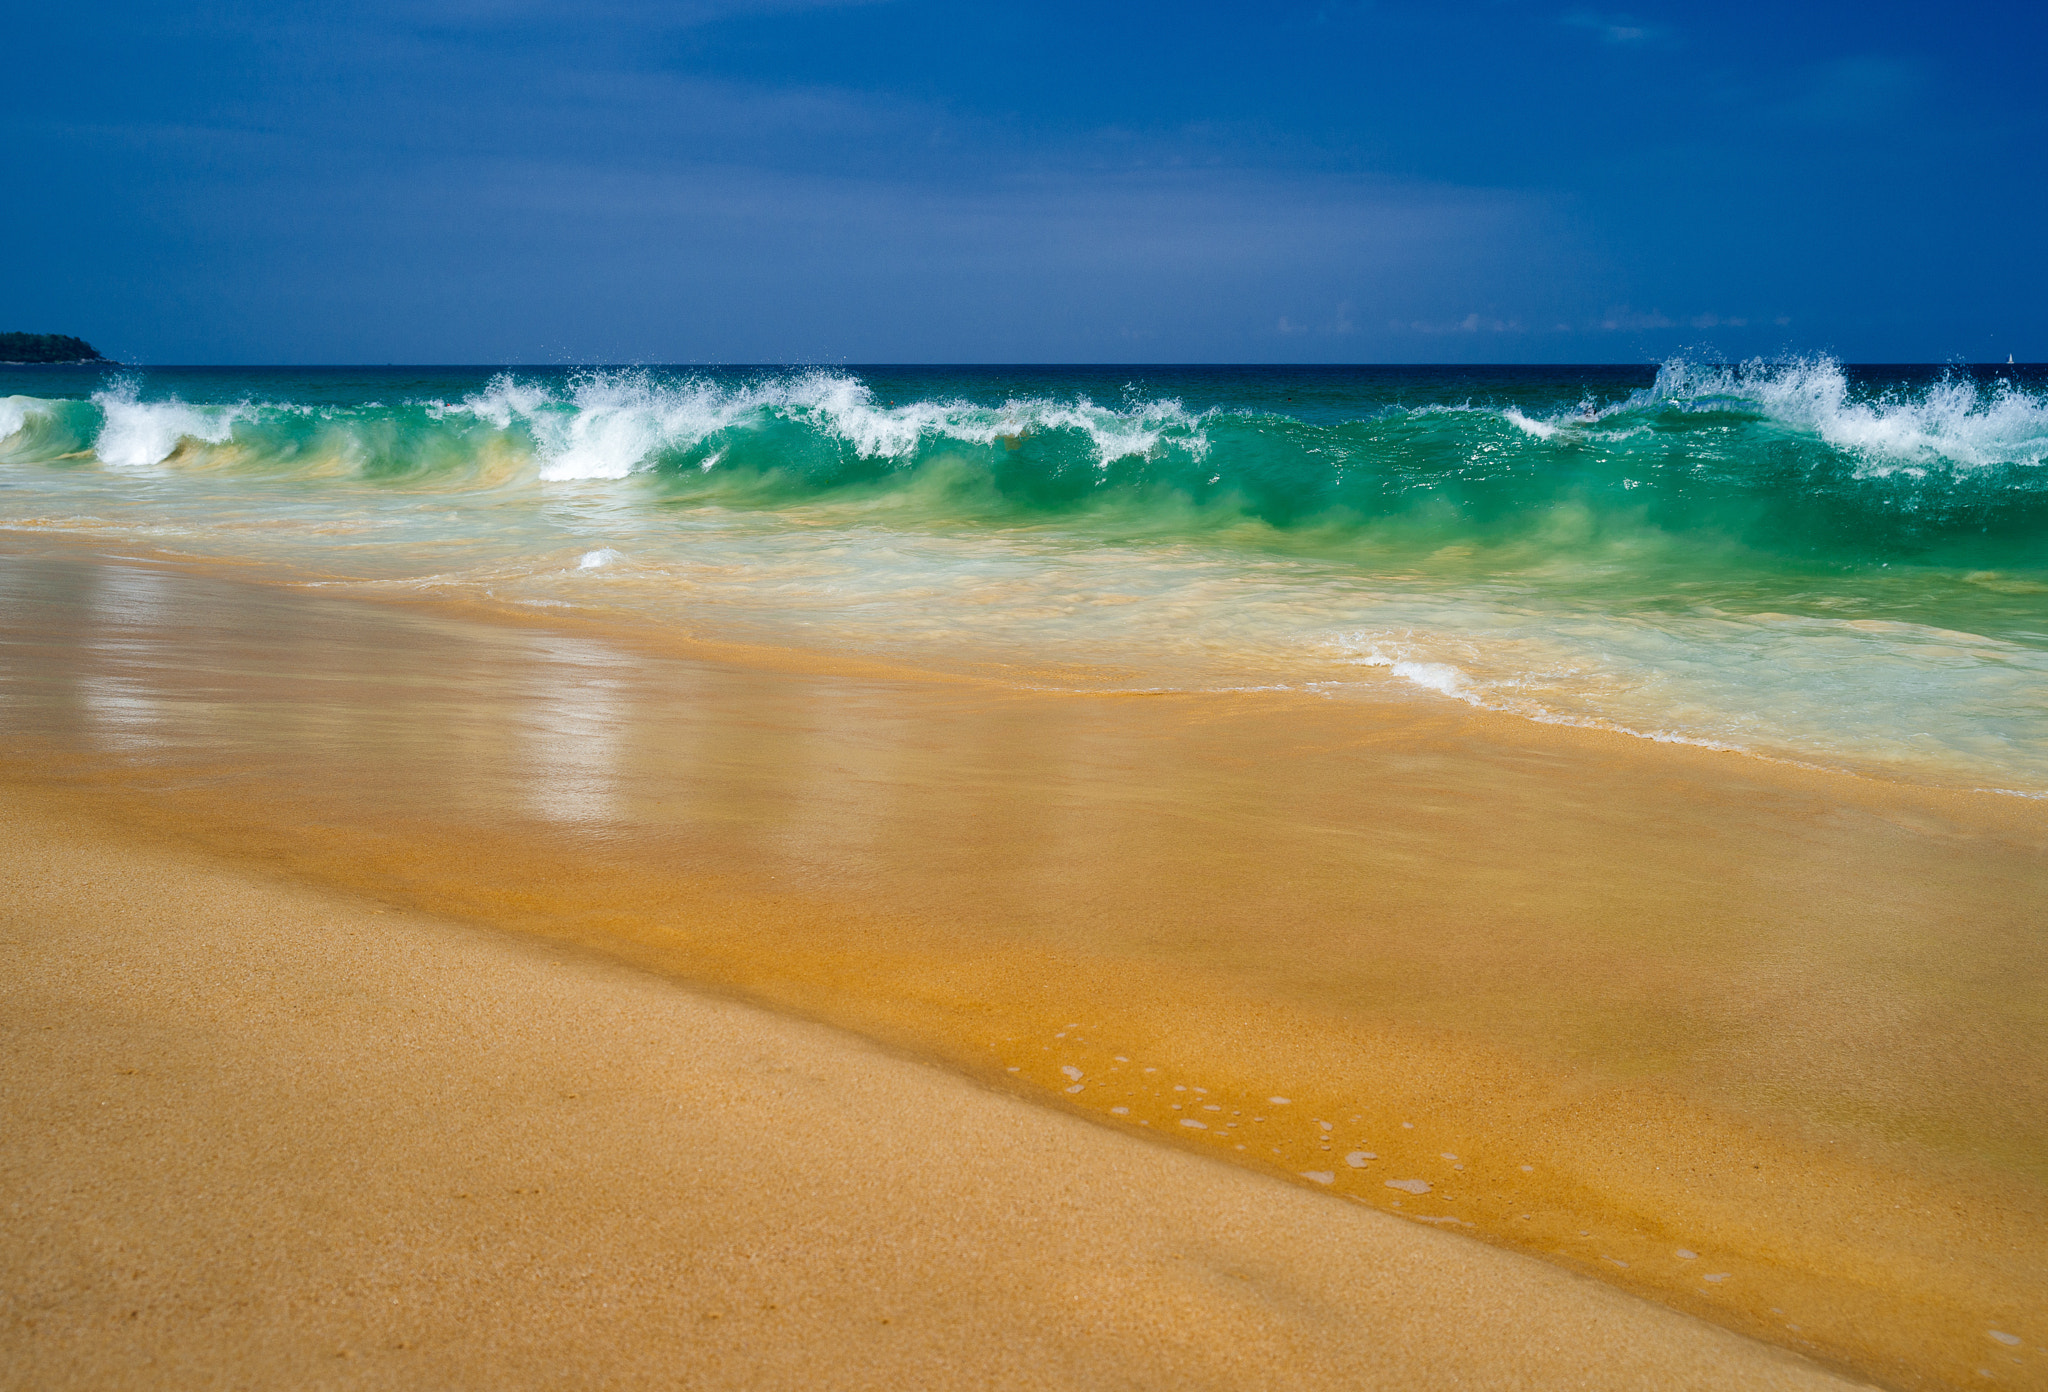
[(1628, 320), (1472, 323), (1619, 30)]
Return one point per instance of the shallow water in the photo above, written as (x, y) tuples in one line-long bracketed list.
[(1840, 566)]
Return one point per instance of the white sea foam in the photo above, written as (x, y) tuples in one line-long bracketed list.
[(14, 413), (500, 403), (610, 424), (137, 433), (1436, 676), (1542, 430), (1440, 677), (1952, 421)]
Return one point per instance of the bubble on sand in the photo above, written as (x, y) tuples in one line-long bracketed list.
[(1684, 1255), (1119, 1111), (1072, 1072), (1319, 1176), (1409, 1186), (1528, 1169), (1011, 1069), (1121, 1059), (1077, 1087), (1407, 1126), (1719, 1276), (1616, 1260), (1357, 1158), (2009, 1340), (1180, 1087), (1281, 1101), (1447, 1156), (1196, 1125)]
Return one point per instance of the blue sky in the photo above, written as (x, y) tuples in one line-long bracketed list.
[(764, 181)]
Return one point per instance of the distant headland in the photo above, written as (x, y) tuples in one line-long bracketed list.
[(20, 348)]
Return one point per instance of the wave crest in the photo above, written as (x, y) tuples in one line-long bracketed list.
[(1952, 421), (136, 433), (611, 424)]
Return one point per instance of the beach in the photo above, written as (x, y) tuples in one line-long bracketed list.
[(818, 694), (1747, 1042), (266, 1135)]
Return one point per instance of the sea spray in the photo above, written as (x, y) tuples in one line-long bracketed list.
[(136, 433)]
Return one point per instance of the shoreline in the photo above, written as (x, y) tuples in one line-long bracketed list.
[(266, 1133), (1373, 691), (1529, 981)]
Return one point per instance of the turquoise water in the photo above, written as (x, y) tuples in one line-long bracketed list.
[(1844, 566)]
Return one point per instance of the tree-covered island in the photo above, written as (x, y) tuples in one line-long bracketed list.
[(47, 348)]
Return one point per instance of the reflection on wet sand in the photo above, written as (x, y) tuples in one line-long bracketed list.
[(131, 614), (1757, 1042), (572, 723)]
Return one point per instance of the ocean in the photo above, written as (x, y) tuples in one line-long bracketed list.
[(1831, 564)]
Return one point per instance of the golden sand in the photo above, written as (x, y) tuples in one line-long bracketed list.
[(1757, 1042), (262, 1136)]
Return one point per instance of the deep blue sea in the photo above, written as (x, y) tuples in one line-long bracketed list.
[(1839, 565)]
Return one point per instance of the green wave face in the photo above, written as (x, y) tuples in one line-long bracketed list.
[(1706, 552)]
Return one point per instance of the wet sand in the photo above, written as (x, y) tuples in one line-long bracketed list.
[(1755, 1042), (260, 1135)]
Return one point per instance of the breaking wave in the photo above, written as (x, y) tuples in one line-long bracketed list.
[(1771, 455), (1952, 422), (136, 433)]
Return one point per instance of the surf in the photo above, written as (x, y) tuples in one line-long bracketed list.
[(1795, 558)]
